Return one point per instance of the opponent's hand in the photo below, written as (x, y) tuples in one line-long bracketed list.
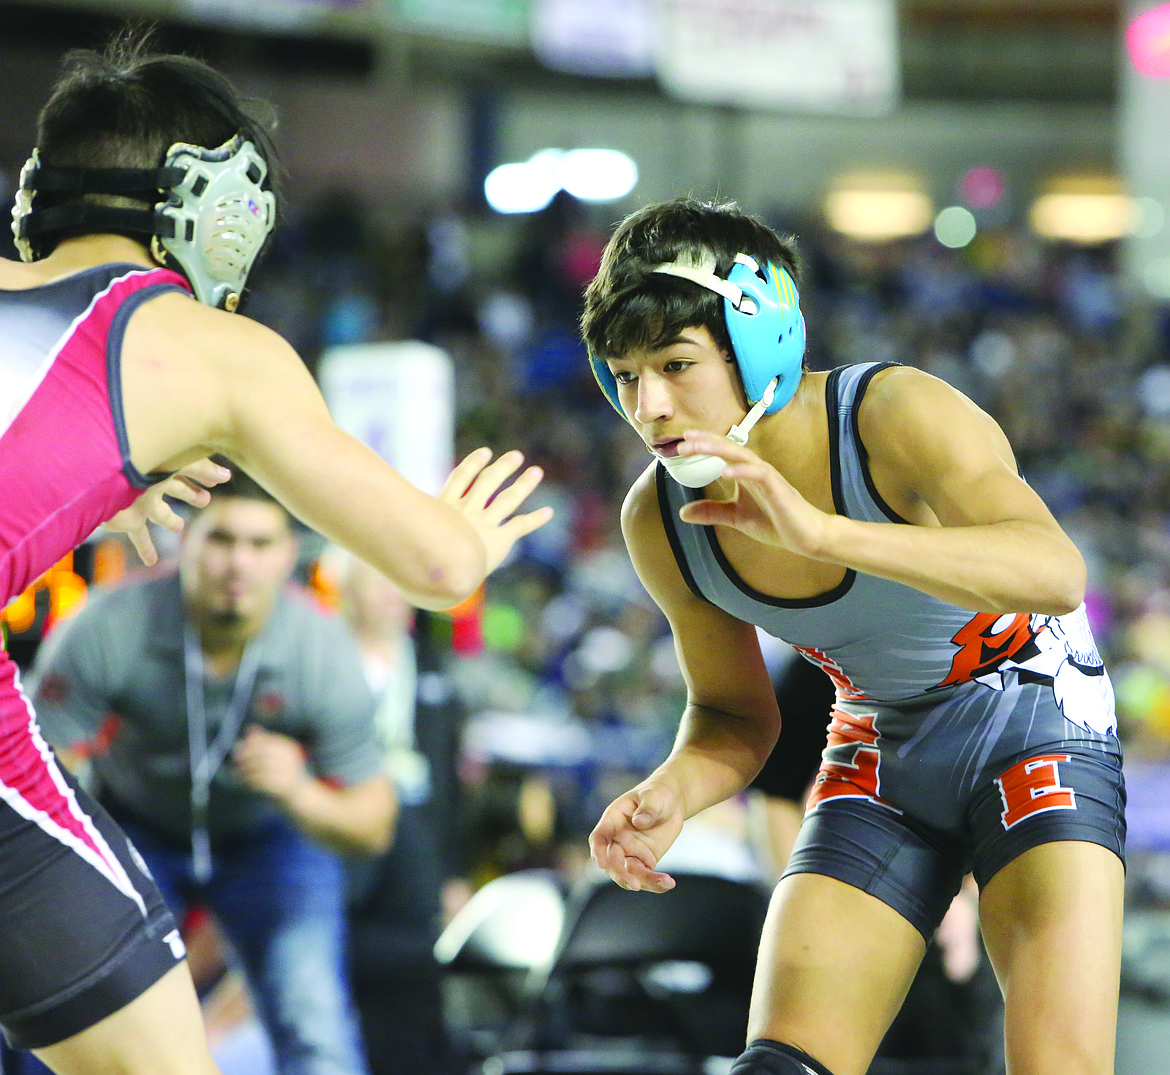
[(271, 763), (189, 484), (765, 506), (474, 489), (634, 832)]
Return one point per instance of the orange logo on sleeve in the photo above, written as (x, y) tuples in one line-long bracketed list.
[(985, 642)]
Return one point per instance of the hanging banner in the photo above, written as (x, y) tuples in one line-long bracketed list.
[(613, 38), (275, 15), (807, 55)]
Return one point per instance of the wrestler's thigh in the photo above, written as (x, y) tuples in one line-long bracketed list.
[(1051, 920), (835, 965), (159, 1031), (84, 928)]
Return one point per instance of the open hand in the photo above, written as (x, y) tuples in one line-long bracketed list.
[(271, 763), (189, 484), (474, 489), (764, 505), (634, 832)]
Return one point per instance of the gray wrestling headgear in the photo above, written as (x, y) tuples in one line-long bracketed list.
[(211, 224)]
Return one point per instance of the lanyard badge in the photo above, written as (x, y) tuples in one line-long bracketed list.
[(205, 759)]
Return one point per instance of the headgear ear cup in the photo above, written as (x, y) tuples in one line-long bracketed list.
[(767, 332), (605, 381), (768, 341)]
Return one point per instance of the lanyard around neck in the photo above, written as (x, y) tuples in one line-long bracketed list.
[(204, 759)]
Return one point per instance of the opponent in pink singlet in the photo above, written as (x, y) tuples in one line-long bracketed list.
[(64, 468)]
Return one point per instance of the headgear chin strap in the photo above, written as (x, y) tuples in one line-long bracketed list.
[(761, 308), (696, 471), (211, 224)]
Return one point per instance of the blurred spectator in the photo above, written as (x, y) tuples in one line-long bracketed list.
[(396, 905), (229, 730)]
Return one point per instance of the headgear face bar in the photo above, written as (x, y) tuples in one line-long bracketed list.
[(761, 308), (211, 223)]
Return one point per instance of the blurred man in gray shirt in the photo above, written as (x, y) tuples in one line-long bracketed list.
[(228, 726)]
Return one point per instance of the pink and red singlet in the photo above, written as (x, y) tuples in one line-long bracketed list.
[(64, 469)]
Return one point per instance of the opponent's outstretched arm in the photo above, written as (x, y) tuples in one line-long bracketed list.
[(197, 382)]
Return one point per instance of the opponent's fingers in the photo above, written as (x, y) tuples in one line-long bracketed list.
[(165, 516), (487, 482), (520, 525), (507, 500), (143, 545), (186, 490), (205, 472), (464, 473)]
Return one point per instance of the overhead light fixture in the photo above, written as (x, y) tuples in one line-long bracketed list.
[(1085, 210), (524, 187), (878, 208), (597, 175), (591, 175)]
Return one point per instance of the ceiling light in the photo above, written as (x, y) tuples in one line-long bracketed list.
[(878, 208), (1086, 210)]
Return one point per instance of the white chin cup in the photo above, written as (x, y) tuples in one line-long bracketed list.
[(694, 471)]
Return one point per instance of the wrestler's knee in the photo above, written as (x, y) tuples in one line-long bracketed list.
[(766, 1057)]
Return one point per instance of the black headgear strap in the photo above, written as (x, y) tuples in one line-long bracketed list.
[(99, 217), (146, 183)]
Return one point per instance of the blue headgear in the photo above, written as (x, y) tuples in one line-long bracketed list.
[(761, 308)]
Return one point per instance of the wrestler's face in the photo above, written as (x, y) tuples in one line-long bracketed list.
[(687, 383), (236, 556)]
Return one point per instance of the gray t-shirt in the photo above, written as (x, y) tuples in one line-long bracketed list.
[(116, 671)]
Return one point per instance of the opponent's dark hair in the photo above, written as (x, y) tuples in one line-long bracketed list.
[(241, 486), (630, 307), (125, 106)]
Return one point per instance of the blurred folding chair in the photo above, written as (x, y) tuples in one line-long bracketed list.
[(643, 984), (488, 952)]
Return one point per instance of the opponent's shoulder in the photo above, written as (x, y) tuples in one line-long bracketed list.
[(214, 334)]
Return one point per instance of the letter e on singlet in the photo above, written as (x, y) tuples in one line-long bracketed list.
[(1032, 786)]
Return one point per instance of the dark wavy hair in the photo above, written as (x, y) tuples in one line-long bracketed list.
[(629, 307)]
